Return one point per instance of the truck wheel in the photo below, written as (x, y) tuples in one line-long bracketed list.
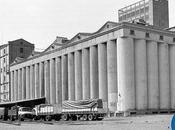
[(85, 118), (90, 117), (21, 118), (65, 117), (48, 118)]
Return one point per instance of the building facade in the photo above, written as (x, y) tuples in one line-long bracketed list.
[(8, 53), (154, 12), (130, 66)]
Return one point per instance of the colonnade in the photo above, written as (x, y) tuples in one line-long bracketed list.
[(127, 73)]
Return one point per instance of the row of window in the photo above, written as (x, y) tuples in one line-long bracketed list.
[(147, 35), (4, 69), (123, 16)]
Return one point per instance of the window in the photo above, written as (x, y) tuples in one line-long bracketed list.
[(79, 37), (173, 39), (4, 51), (161, 37), (4, 78), (4, 96), (4, 69), (4, 60), (21, 50), (147, 35), (4, 88), (132, 32)]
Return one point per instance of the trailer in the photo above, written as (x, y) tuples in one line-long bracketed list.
[(47, 112), (91, 109)]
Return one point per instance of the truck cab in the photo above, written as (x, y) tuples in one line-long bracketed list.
[(25, 113)]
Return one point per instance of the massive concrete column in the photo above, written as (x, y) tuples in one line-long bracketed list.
[(41, 79), (28, 82), (78, 75), (47, 80), (64, 74), (85, 74), (164, 87), (141, 74), (71, 77), (19, 85), (23, 83), (102, 71), (94, 89), (36, 80), (52, 82), (112, 75), (125, 68), (172, 74), (58, 80), (16, 85), (32, 82), (12, 85), (152, 66)]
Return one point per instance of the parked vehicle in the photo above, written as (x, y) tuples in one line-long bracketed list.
[(3, 113), (91, 109), (20, 113), (47, 112), (25, 113)]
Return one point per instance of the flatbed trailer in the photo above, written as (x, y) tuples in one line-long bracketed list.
[(91, 109)]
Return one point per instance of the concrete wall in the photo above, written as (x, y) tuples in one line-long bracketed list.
[(126, 68)]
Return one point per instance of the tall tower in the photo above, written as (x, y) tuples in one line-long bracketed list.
[(154, 12)]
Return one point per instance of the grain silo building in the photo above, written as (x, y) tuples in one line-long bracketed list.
[(130, 66)]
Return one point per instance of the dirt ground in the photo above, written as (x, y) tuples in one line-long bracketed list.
[(142, 122)]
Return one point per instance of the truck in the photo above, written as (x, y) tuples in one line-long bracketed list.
[(3, 113), (91, 109), (20, 113), (47, 112)]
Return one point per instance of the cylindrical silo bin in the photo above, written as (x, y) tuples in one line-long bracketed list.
[(125, 67), (172, 75), (140, 74), (152, 65), (164, 76)]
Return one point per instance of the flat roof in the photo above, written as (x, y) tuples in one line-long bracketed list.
[(24, 103)]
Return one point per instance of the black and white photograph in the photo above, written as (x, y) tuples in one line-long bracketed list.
[(87, 65)]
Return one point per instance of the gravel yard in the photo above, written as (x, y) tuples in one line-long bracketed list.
[(143, 122)]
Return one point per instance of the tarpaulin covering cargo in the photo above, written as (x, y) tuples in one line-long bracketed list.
[(83, 104)]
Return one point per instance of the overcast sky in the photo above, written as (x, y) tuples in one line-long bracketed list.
[(40, 21)]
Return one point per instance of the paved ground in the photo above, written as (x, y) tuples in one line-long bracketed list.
[(147, 122)]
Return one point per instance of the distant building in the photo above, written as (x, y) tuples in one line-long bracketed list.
[(14, 50), (154, 12), (171, 29)]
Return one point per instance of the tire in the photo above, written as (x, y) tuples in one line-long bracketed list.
[(65, 117), (90, 117), (48, 118), (73, 117), (85, 117), (21, 118), (57, 117)]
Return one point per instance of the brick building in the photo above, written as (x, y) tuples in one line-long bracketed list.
[(8, 53)]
